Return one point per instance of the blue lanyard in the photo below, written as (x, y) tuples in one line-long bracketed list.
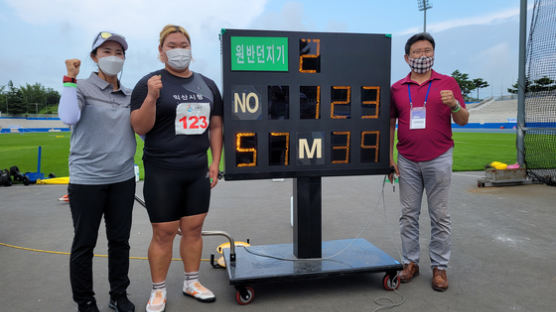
[(426, 97)]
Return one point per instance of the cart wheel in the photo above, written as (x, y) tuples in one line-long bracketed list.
[(391, 283), (245, 295), (26, 180), (480, 184)]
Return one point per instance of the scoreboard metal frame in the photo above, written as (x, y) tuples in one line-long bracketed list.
[(305, 104)]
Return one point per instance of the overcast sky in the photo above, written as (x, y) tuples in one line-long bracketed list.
[(476, 37)]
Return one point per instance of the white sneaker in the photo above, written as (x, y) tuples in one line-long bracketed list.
[(198, 291), (157, 301)]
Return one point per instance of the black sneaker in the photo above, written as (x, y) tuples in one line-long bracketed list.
[(121, 304), (90, 306)]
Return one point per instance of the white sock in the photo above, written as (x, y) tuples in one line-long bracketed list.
[(191, 278), (161, 285)]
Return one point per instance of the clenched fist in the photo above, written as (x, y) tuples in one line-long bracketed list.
[(72, 66), (448, 98), (154, 85)]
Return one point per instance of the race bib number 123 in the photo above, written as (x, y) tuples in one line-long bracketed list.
[(192, 118)]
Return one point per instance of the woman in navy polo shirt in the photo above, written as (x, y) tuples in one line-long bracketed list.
[(180, 113), (102, 179)]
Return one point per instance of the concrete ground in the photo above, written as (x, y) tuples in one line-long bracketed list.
[(503, 257)]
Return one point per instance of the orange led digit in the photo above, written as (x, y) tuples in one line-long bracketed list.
[(343, 102), (315, 56), (366, 146), (309, 102), (371, 102), (287, 147), (240, 149), (318, 103), (342, 147)]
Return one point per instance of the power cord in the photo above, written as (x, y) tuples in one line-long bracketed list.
[(389, 304)]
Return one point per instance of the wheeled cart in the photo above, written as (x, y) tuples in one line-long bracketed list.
[(308, 256), (266, 263)]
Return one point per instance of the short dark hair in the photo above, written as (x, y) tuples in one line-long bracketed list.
[(418, 37)]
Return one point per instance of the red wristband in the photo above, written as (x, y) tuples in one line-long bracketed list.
[(69, 79)]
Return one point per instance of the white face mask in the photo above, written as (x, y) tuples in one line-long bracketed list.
[(110, 65), (179, 59)]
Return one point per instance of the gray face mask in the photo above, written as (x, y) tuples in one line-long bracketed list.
[(179, 59), (110, 65)]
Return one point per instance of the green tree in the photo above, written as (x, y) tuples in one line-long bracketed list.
[(515, 87), (465, 84), (14, 102), (52, 97), (34, 96), (3, 98), (31, 98), (541, 84), (479, 83)]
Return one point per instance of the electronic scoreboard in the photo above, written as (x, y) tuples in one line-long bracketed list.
[(305, 104)]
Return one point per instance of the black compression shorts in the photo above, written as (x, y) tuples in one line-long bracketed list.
[(172, 194)]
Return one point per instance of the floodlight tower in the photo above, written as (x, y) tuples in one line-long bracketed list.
[(424, 5)]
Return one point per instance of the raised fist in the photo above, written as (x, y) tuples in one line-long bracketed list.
[(72, 66), (448, 98), (154, 85)]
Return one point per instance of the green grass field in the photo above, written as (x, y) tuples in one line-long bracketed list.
[(21, 149), (472, 152)]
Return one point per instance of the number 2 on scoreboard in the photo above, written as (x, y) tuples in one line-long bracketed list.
[(309, 56)]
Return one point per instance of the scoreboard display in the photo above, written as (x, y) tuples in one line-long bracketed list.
[(305, 104)]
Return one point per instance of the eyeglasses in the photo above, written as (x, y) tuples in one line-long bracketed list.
[(420, 52)]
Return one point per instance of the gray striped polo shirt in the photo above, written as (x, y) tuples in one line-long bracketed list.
[(102, 142)]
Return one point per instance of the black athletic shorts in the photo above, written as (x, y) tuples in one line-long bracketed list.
[(172, 194)]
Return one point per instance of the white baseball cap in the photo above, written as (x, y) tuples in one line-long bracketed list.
[(104, 36)]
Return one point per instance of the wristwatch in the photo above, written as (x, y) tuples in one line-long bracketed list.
[(456, 108)]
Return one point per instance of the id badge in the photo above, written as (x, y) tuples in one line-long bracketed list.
[(418, 117), (192, 118)]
